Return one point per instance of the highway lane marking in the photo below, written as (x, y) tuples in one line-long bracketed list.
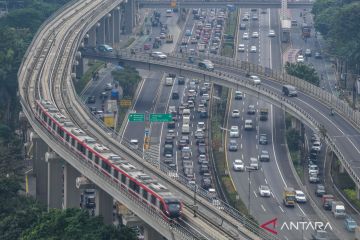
[(266, 181), (281, 208), (242, 156), (273, 145), (352, 143), (136, 100), (255, 194), (241, 146), (263, 208)]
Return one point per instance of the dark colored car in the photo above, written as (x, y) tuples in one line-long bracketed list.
[(91, 99), (320, 190), (263, 140)]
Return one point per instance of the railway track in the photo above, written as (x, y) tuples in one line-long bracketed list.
[(47, 75)]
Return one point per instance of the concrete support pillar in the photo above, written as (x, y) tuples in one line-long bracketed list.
[(100, 34), (104, 206), (295, 123), (71, 192), (341, 168), (150, 233), (110, 29), (55, 180), (79, 67), (117, 26), (129, 16), (92, 37), (39, 149)]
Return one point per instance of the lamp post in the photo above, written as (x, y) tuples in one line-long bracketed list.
[(249, 170)]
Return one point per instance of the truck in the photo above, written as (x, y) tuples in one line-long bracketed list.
[(169, 38), (289, 197), (264, 114), (115, 95), (188, 168), (326, 201), (305, 30), (169, 81), (338, 209)]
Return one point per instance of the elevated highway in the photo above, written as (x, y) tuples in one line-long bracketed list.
[(341, 132), (47, 72), (220, 4)]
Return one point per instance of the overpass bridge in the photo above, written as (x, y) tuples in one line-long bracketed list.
[(220, 3), (47, 73), (312, 106)]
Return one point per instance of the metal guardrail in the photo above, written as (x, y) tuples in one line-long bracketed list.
[(327, 99), (88, 167)]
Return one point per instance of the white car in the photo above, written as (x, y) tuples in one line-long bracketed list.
[(235, 113), (253, 49), (300, 196), (300, 59), (158, 55), (313, 169), (271, 33), (264, 191), (255, 79), (234, 131), (241, 47), (255, 35), (245, 36), (316, 145), (238, 165)]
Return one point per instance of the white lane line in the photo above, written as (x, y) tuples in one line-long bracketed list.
[(263, 208), (241, 146), (281, 208), (242, 156), (255, 194), (266, 181), (273, 145)]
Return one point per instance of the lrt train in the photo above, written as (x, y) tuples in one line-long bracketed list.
[(133, 180)]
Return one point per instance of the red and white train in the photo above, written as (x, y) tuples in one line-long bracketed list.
[(131, 179)]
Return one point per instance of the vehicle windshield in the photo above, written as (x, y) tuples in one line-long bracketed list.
[(290, 198)]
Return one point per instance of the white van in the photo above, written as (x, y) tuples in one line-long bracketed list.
[(134, 143), (169, 81), (255, 79), (185, 129), (248, 124)]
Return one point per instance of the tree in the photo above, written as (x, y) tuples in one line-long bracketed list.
[(74, 224), (128, 78), (293, 139), (303, 71)]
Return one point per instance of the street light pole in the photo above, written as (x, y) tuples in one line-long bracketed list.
[(249, 196)]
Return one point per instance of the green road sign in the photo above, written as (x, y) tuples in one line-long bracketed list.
[(136, 117), (158, 117)]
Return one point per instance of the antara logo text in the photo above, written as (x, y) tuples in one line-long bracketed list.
[(271, 225)]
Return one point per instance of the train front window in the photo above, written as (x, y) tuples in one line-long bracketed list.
[(174, 207)]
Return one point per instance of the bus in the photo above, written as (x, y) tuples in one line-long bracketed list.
[(306, 30)]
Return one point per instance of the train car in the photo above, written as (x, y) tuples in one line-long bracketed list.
[(133, 180)]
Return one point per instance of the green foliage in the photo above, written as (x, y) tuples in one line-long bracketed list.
[(303, 71), (293, 139), (74, 224), (339, 23), (128, 78), (23, 218)]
